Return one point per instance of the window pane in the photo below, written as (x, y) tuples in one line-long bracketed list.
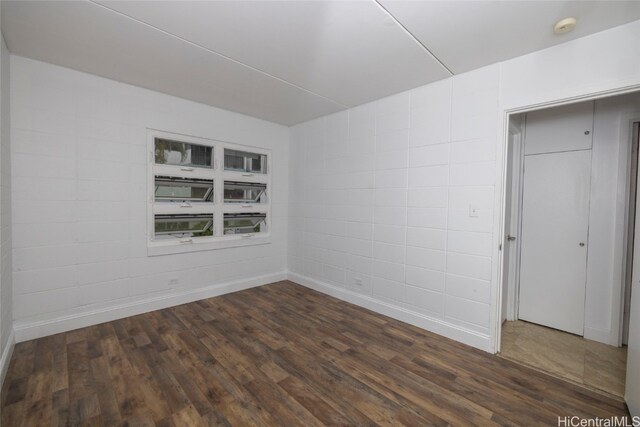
[(174, 189), (244, 192), (169, 152), (178, 226), (243, 161), (242, 223)]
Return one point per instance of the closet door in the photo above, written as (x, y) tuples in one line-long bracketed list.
[(555, 222)]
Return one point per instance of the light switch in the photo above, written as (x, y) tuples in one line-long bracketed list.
[(474, 211)]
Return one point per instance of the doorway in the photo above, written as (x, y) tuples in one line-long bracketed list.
[(569, 222)]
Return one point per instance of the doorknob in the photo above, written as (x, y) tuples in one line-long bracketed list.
[(510, 237)]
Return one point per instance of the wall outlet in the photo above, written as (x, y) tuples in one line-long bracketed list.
[(357, 281)]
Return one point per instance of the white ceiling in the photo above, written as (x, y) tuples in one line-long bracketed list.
[(291, 61), (466, 35)]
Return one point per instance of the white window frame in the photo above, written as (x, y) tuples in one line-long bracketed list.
[(218, 208)]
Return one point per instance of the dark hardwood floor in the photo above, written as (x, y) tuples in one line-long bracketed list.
[(277, 355)]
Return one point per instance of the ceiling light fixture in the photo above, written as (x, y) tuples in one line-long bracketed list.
[(565, 25)]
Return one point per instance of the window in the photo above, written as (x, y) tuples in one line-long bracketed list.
[(170, 152), (242, 161), (197, 202), (243, 223), (244, 192), (183, 225), (183, 190)]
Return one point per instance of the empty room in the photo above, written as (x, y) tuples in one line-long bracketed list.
[(308, 213)]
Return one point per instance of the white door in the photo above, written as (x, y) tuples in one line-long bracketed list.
[(555, 223), (512, 221)]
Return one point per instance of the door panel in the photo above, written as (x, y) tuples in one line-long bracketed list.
[(506, 254), (558, 129), (555, 220), (511, 242)]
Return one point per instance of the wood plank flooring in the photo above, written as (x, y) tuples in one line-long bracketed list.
[(277, 355)]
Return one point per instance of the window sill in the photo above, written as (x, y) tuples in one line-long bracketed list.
[(175, 247)]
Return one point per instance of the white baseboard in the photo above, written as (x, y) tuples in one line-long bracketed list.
[(6, 357), (28, 330), (420, 320)]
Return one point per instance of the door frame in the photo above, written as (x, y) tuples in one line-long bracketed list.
[(501, 199), (633, 129), (632, 386)]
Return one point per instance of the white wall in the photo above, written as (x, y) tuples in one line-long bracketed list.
[(6, 287), (79, 165), (588, 65), (382, 192)]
